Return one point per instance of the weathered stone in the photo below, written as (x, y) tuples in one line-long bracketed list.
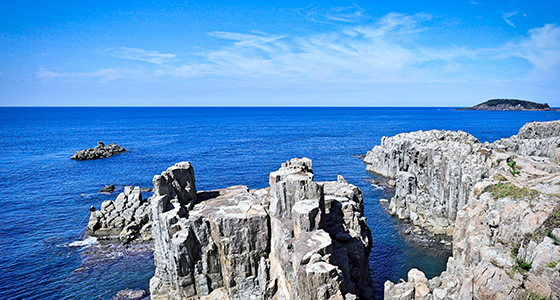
[(99, 151), (223, 244), (441, 188), (122, 219), (107, 189)]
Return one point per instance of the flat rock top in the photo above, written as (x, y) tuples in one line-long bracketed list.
[(232, 202)]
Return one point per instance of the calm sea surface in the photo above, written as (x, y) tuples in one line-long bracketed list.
[(45, 195)]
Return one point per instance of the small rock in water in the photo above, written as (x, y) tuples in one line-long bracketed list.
[(145, 190), (100, 151), (383, 200), (391, 183), (107, 189), (129, 295)]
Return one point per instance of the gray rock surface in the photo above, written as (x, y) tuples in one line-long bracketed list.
[(434, 170), (125, 219), (99, 151), (273, 243), (535, 139), (107, 189), (500, 247)]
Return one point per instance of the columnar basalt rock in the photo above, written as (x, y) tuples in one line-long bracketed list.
[(505, 233), (99, 151), (271, 243), (125, 219), (435, 171), (535, 139)]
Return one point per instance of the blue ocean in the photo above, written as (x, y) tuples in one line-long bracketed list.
[(46, 195)]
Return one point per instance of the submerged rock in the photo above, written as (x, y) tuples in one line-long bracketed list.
[(499, 201), (298, 239), (130, 295), (99, 151)]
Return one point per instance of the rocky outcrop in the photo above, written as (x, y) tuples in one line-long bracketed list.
[(435, 171), (99, 151), (297, 239), (108, 189), (506, 224), (535, 139), (125, 219)]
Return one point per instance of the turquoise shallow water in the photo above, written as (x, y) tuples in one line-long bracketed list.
[(46, 196)]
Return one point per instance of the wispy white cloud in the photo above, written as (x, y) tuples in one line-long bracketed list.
[(344, 14), (507, 15), (390, 49), (541, 48), (103, 75), (143, 55), (474, 3)]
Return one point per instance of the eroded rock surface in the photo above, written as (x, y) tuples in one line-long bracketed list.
[(99, 151), (502, 203), (125, 219), (298, 239), (435, 171)]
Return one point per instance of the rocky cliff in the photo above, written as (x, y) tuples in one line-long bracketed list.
[(297, 239), (435, 171), (502, 204)]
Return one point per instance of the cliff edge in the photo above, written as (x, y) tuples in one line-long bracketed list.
[(499, 202)]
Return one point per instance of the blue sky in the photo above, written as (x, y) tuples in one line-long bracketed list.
[(295, 53)]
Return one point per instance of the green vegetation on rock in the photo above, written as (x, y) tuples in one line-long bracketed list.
[(508, 189), (508, 104)]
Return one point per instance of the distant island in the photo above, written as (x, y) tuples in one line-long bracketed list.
[(508, 104)]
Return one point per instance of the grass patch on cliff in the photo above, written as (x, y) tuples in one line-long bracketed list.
[(523, 265), (530, 295), (508, 189)]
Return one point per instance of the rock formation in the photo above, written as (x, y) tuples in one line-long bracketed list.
[(502, 203), (99, 151), (125, 219), (434, 170), (297, 239), (108, 189)]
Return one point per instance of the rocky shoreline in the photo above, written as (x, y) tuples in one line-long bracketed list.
[(297, 239), (499, 202)]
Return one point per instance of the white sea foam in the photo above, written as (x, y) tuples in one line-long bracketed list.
[(84, 243)]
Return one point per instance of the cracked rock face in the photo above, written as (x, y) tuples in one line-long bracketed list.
[(273, 243), (435, 171), (125, 219), (504, 223), (99, 151)]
